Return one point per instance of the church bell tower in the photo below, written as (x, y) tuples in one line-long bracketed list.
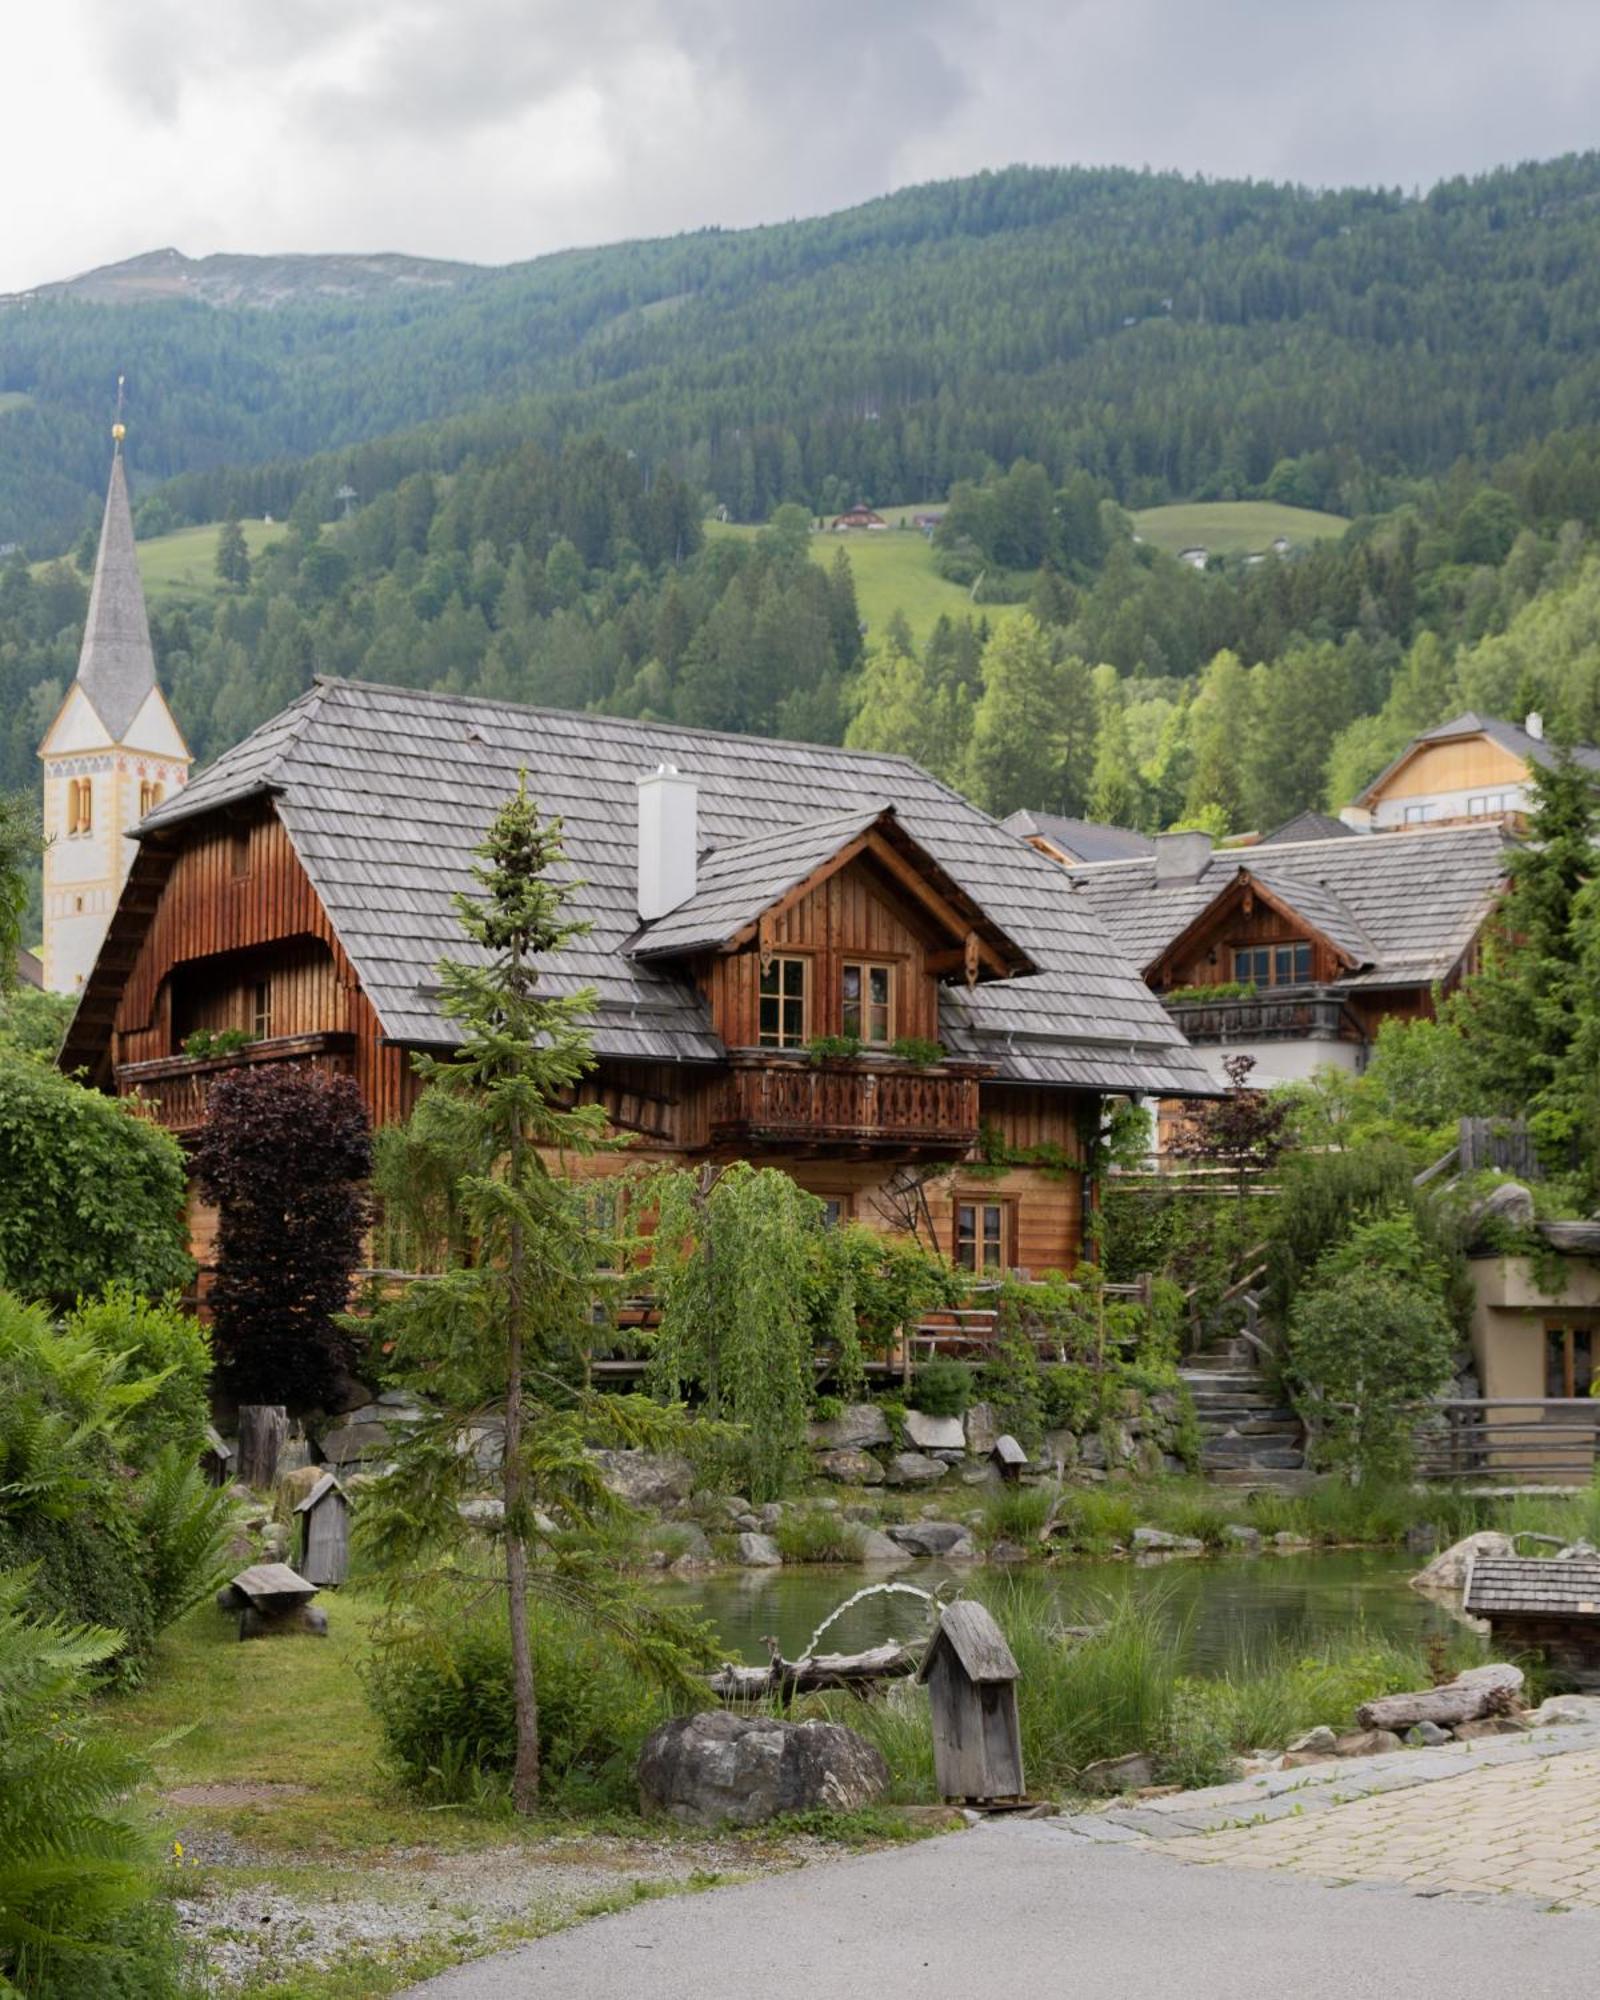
[(111, 755)]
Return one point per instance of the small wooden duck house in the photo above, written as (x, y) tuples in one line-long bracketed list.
[(1008, 1458), (216, 1458), (324, 1518), (1542, 1604), (272, 1599), (971, 1678)]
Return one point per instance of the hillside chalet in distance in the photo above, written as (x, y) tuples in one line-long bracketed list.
[(1473, 767), (746, 897)]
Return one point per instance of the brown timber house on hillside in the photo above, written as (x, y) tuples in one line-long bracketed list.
[(746, 897)]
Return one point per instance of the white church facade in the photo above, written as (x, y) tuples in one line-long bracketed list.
[(112, 753)]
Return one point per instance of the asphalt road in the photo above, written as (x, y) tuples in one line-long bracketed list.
[(1012, 1908)]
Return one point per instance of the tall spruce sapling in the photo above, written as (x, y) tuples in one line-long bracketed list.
[(493, 1337), (284, 1154)]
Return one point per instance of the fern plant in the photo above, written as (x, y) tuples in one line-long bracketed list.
[(75, 1859), (184, 1525)]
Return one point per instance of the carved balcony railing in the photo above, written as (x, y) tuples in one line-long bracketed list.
[(1306, 1015), (175, 1089), (854, 1105)]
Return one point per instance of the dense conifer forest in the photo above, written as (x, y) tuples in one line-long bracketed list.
[(1173, 337), (536, 457)]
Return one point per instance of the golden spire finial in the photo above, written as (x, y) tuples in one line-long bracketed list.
[(119, 430)]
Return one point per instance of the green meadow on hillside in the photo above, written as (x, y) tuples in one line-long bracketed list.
[(1233, 527), (893, 570), (184, 564)]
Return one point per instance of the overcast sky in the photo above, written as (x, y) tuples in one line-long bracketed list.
[(495, 129)]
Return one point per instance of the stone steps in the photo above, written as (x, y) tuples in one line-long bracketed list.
[(1249, 1438)]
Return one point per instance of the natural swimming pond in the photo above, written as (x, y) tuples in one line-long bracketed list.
[(1257, 1601)]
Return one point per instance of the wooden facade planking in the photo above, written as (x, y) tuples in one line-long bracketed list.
[(238, 911), (1472, 763), (853, 916)]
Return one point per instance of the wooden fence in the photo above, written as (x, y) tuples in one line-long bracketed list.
[(1550, 1440)]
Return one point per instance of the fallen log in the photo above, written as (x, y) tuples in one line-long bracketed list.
[(816, 1674), (1482, 1691)]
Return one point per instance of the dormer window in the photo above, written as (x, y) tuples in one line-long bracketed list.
[(783, 1003), (1272, 965), (866, 1010)]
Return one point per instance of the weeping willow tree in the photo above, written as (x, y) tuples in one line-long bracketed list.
[(754, 1292), (492, 1338)]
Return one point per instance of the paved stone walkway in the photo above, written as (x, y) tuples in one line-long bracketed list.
[(1514, 1829), (1517, 1816)]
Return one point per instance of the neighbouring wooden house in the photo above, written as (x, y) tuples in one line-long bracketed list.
[(1310, 944), (1473, 767), (746, 898), (858, 516)]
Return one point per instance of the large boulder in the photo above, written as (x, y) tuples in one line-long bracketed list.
[(646, 1478), (757, 1551), (718, 1769), (1448, 1570), (928, 1538), (1510, 1204), (911, 1468), (983, 1429), (935, 1433), (858, 1427), (851, 1468), (353, 1442), (876, 1547)]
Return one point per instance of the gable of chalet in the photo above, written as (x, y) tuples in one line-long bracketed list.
[(1395, 910), (749, 884), (1508, 752), (1307, 911), (383, 793)]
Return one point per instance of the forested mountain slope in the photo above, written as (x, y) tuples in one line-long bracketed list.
[(1175, 338)]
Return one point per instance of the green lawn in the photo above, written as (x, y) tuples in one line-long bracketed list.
[(894, 572), (1233, 527)]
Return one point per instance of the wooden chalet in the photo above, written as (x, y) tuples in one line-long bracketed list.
[(858, 516), (1312, 944), (745, 897), (1473, 767)]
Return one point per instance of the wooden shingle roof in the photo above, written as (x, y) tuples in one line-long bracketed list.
[(1533, 1587), (1403, 907), (385, 791)]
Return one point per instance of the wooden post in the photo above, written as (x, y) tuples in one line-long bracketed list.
[(262, 1430)]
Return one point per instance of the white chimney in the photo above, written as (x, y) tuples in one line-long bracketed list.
[(669, 840), (1535, 725), (1181, 857)]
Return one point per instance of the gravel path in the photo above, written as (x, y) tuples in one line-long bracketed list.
[(288, 1917)]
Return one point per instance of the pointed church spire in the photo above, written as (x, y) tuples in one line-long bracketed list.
[(117, 666)]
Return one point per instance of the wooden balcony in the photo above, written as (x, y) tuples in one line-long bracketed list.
[(176, 1088), (791, 1104), (1294, 1014)]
